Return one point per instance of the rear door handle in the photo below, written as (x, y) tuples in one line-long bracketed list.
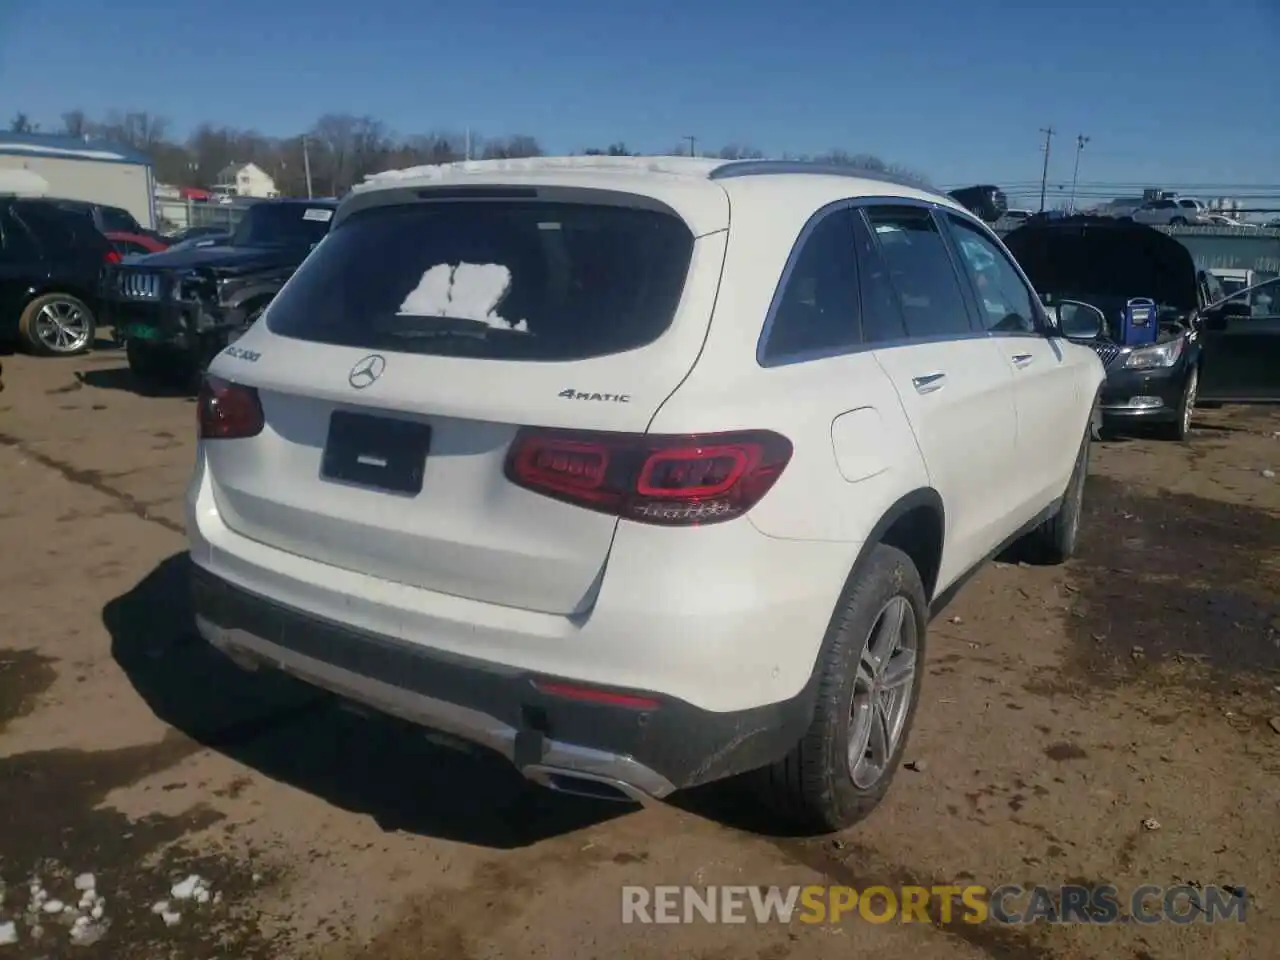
[(929, 382), (1022, 359)]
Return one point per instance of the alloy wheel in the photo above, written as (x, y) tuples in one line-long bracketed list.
[(63, 326), (882, 689)]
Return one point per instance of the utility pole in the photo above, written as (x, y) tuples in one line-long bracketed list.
[(306, 165), (468, 149), (1081, 140), (693, 142), (1044, 174)]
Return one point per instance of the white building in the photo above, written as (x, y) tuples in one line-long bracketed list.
[(245, 180), (73, 168)]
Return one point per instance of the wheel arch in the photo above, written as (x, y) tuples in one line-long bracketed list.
[(915, 524)]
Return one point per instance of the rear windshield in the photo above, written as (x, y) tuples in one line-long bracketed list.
[(496, 279)]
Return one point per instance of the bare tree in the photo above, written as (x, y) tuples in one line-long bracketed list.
[(618, 149), (137, 129), (734, 151), (511, 148), (75, 124), (344, 148)]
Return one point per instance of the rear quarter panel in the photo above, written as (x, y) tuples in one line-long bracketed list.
[(854, 452)]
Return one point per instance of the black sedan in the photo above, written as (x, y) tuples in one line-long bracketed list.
[(1168, 332)]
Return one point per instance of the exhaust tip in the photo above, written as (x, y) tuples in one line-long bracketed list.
[(585, 785)]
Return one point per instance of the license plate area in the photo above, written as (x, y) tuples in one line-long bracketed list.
[(140, 331), (377, 452)]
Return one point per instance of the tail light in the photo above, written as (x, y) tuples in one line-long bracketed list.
[(228, 411), (660, 479), (111, 256)]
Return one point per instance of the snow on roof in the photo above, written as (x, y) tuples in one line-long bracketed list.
[(75, 148), (689, 168), (679, 166)]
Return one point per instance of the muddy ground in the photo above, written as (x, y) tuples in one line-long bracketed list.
[(1063, 708)]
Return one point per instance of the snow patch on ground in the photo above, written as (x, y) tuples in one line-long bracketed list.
[(85, 921)]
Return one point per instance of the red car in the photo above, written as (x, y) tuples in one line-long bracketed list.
[(128, 244)]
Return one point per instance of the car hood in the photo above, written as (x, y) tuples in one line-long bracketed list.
[(225, 259), (1101, 257)]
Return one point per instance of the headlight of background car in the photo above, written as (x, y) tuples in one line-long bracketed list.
[(1156, 356)]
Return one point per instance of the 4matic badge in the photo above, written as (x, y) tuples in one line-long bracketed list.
[(572, 394)]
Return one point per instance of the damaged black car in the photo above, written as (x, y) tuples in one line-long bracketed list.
[(1151, 303), (174, 311)]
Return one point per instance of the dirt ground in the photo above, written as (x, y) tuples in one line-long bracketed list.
[(1063, 707)]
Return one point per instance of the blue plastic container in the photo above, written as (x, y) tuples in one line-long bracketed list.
[(1140, 322)]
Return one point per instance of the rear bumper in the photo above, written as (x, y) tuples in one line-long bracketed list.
[(638, 751), (723, 636)]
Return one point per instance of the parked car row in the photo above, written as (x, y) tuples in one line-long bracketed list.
[(173, 302)]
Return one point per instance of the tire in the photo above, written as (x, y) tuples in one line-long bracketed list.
[(1054, 541), (816, 788), (1178, 222), (57, 325), (1180, 429)]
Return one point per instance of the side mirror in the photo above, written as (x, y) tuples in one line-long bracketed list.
[(1079, 321)]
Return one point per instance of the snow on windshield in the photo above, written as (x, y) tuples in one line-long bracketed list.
[(466, 291)]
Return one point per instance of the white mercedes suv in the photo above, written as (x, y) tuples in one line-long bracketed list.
[(643, 472)]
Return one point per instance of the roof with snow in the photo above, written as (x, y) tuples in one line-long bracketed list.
[(69, 148), (688, 168)]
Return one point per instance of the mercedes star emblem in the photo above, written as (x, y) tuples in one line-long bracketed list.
[(367, 371)]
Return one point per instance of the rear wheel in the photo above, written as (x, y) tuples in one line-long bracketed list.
[(868, 690), (57, 324)]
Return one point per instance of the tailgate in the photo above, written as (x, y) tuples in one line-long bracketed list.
[(385, 453)]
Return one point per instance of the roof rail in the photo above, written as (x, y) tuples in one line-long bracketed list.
[(752, 168)]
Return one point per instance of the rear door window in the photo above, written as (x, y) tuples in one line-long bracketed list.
[(817, 313), (496, 279), (920, 271), (59, 231), (16, 243)]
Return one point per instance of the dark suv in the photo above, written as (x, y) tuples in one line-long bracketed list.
[(175, 310), (51, 263)]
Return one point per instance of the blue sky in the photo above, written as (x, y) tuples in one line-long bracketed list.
[(956, 91)]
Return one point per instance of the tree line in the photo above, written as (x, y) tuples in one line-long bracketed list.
[(341, 149)]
